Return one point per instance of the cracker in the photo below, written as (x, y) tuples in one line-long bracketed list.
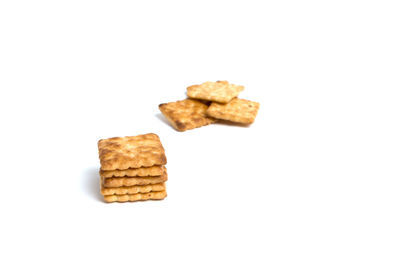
[(238, 110), (186, 114), (144, 171), (131, 181), (121, 153), (136, 197), (220, 91), (129, 190)]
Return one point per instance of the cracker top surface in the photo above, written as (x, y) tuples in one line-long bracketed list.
[(238, 110), (220, 91), (186, 114), (121, 153)]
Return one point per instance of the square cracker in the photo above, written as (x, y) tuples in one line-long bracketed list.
[(131, 181), (121, 153), (220, 91), (186, 114), (129, 190), (144, 171), (238, 110), (136, 197)]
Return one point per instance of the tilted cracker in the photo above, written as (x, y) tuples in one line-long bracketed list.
[(121, 153), (136, 197), (238, 110), (220, 91), (144, 171), (131, 181), (129, 190), (186, 114)]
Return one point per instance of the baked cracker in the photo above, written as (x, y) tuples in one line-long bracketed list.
[(121, 153), (238, 110), (129, 190), (136, 197), (220, 91), (131, 181), (186, 114), (144, 171)]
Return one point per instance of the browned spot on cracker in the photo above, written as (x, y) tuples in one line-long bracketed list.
[(179, 125)]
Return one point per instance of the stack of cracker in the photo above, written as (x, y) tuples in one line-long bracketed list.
[(210, 102), (132, 168)]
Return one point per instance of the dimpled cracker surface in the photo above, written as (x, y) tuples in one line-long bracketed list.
[(136, 197), (238, 110), (145, 171), (220, 91), (121, 153), (129, 190), (130, 181), (186, 114)]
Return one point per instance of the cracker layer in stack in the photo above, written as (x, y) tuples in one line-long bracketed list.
[(132, 168)]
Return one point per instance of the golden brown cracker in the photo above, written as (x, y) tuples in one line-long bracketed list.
[(144, 171), (238, 110), (131, 181), (136, 197), (186, 114), (121, 153), (129, 190), (220, 91)]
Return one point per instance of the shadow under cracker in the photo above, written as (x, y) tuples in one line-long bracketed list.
[(230, 123), (92, 183), (163, 119)]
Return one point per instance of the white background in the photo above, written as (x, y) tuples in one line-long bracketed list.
[(313, 182)]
